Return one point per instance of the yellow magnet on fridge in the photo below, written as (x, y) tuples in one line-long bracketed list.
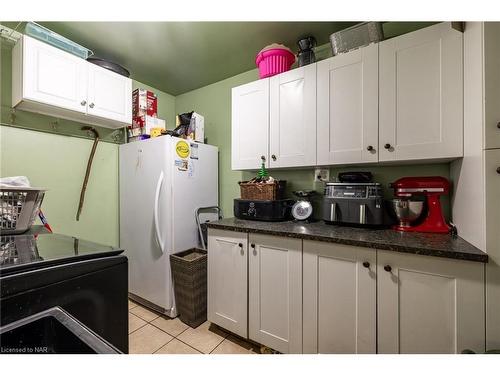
[(182, 149)]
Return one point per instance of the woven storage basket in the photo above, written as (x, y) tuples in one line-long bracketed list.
[(261, 191), (189, 272)]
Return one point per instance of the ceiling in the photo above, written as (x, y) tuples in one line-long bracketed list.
[(177, 57)]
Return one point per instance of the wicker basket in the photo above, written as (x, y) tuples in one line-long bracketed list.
[(189, 272), (262, 191)]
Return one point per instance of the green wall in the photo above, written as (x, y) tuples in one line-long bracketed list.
[(214, 102), (58, 162)]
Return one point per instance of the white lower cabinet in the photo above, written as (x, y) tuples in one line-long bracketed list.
[(301, 296), (429, 305), (492, 184), (339, 298), (275, 292), (227, 280)]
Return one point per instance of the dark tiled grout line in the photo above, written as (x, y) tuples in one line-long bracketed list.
[(224, 339), (192, 347), (184, 330), (168, 342)]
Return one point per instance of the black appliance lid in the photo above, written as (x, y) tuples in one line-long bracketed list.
[(38, 249)]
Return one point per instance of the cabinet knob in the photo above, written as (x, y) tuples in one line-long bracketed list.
[(498, 125), (252, 246), (240, 245), (387, 146), (387, 268), (263, 158), (370, 148), (83, 102), (91, 105), (273, 157), (366, 264), (498, 170)]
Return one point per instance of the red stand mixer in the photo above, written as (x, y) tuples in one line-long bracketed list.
[(409, 211)]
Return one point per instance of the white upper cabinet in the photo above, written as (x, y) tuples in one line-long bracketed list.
[(398, 100), (348, 107), (421, 95), (50, 76), (491, 77), (292, 129), (48, 80), (109, 95), (250, 125)]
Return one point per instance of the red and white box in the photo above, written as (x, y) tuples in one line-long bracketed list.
[(144, 103)]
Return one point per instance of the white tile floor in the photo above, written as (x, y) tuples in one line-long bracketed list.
[(150, 333)]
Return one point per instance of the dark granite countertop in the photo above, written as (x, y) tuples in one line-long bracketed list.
[(440, 245)]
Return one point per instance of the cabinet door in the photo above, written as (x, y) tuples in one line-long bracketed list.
[(429, 305), (275, 292), (53, 77), (250, 125), (491, 84), (339, 297), (492, 180), (348, 107), (227, 280), (421, 95), (109, 95), (293, 118)]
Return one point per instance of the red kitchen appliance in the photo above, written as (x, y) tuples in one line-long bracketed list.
[(431, 188)]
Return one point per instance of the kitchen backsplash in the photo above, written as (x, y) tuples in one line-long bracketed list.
[(301, 179)]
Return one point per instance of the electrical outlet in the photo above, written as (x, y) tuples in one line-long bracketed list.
[(321, 175)]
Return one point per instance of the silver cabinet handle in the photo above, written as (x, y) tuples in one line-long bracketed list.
[(83, 102), (333, 211), (273, 157), (263, 158), (91, 105), (362, 213)]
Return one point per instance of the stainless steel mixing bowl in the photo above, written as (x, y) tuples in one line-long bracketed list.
[(407, 211)]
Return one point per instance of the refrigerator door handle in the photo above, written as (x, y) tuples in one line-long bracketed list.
[(155, 211)]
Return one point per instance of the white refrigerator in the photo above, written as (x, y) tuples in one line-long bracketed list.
[(163, 181)]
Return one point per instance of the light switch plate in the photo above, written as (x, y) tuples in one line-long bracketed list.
[(321, 175)]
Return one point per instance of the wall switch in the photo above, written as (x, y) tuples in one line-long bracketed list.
[(321, 175)]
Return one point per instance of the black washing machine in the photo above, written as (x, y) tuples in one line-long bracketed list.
[(60, 294)]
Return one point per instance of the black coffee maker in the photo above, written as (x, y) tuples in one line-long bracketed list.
[(306, 55)]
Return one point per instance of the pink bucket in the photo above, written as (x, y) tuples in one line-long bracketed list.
[(274, 61)]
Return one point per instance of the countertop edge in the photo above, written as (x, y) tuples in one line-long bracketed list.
[(481, 258)]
